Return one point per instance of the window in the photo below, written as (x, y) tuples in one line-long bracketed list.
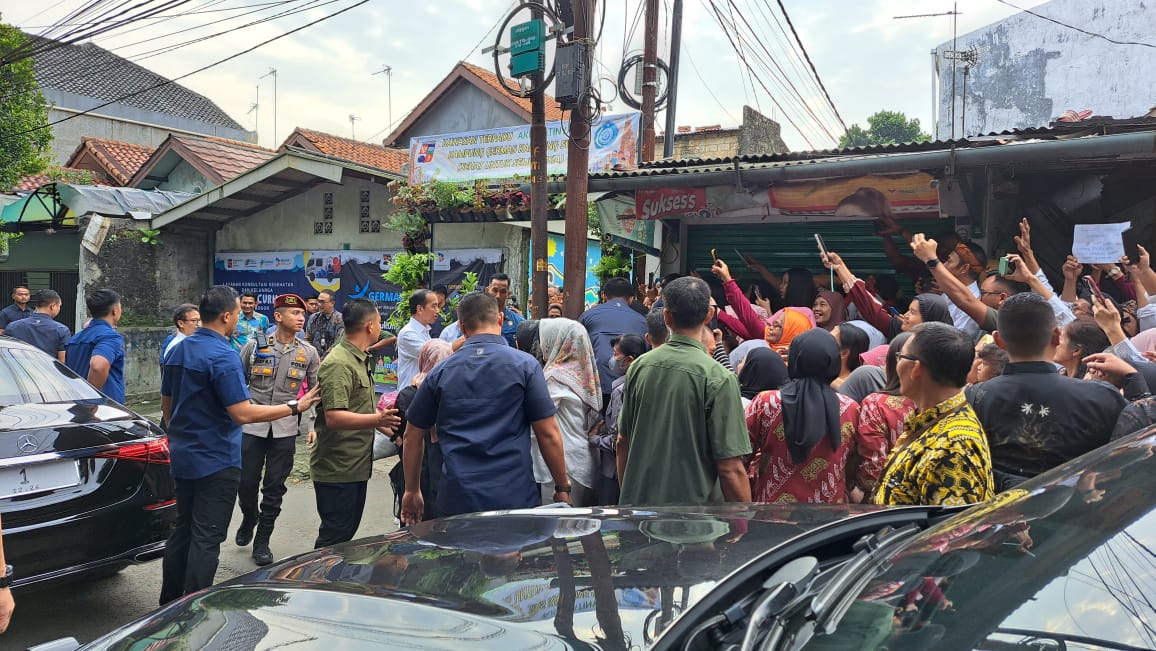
[(30, 376)]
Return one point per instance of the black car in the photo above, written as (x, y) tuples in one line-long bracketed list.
[(1064, 561), (85, 486)]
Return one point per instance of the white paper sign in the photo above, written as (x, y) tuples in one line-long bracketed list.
[(1099, 243)]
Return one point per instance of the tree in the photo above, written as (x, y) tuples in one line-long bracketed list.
[(24, 139), (884, 128)]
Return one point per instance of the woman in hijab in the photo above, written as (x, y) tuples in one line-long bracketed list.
[(739, 354), (925, 308), (563, 348), (432, 353), (852, 344), (830, 310), (803, 433), (745, 322), (785, 325), (762, 370), (881, 418)]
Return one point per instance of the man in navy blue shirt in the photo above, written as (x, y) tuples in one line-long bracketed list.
[(204, 402), (42, 329), (499, 288), (97, 352), (484, 400), (20, 309), (607, 322)]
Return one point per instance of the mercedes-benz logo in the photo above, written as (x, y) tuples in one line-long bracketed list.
[(27, 444)]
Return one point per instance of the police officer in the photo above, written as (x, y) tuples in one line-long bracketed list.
[(275, 369)]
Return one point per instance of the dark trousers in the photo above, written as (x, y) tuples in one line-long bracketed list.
[(274, 456), (204, 508), (340, 507)]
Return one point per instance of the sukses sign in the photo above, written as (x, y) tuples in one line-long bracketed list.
[(670, 202)]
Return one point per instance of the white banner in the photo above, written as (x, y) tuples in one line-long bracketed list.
[(505, 153)]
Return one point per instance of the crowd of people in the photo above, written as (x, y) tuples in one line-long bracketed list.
[(694, 390)]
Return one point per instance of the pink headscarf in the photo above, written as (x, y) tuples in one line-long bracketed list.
[(432, 353)]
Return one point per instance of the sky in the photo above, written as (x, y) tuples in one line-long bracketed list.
[(867, 59)]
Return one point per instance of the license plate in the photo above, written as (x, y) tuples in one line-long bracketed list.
[(38, 478)]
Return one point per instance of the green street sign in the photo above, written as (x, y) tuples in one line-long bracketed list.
[(527, 37)]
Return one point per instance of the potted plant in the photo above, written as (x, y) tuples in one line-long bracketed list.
[(414, 229)]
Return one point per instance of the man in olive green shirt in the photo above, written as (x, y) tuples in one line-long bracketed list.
[(342, 458), (682, 430)]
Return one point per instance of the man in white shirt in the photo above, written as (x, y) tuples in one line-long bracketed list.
[(966, 262), (423, 305)]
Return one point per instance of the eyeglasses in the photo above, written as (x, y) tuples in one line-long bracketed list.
[(194, 321), (910, 358)]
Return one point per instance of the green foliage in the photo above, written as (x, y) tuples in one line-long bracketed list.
[(22, 110), (7, 240), (449, 196), (406, 222), (469, 285), (615, 263), (75, 177), (408, 271), (884, 128), (149, 236)]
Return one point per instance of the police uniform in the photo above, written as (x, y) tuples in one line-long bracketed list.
[(275, 373)]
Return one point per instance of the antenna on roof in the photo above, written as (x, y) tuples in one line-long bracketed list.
[(255, 109), (953, 55), (352, 129), (388, 72), (273, 73)]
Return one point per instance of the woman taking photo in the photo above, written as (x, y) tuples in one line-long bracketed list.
[(803, 433)]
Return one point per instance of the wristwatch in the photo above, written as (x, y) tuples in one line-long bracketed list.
[(6, 580), (563, 489), (932, 263), (293, 407)]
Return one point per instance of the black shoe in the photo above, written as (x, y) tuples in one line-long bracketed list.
[(245, 533), (261, 555)]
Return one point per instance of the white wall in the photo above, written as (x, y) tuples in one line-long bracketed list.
[(1031, 70), (288, 226)]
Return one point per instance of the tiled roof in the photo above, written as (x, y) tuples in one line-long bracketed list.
[(491, 79), (89, 70), (34, 181), (228, 158), (120, 160), (382, 158)]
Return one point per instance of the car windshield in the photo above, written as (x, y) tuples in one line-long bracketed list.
[(1063, 561), (30, 376)]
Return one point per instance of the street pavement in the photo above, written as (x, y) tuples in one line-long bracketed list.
[(88, 609)]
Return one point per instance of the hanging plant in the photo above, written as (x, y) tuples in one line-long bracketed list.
[(615, 263), (469, 286), (408, 271)]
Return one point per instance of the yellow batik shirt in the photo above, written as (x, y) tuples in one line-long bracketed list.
[(941, 458)]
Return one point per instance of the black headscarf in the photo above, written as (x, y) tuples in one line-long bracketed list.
[(933, 307), (763, 370), (810, 405)]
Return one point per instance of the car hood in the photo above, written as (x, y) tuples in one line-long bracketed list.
[(543, 578)]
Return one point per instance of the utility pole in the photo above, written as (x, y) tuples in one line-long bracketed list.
[(388, 72), (578, 175), (273, 73), (672, 83), (649, 79), (539, 236)]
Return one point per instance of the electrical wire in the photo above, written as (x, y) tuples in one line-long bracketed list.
[(784, 80), (810, 63), (98, 67), (1074, 28), (686, 53), (185, 13), (513, 5), (189, 74), (787, 116)]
